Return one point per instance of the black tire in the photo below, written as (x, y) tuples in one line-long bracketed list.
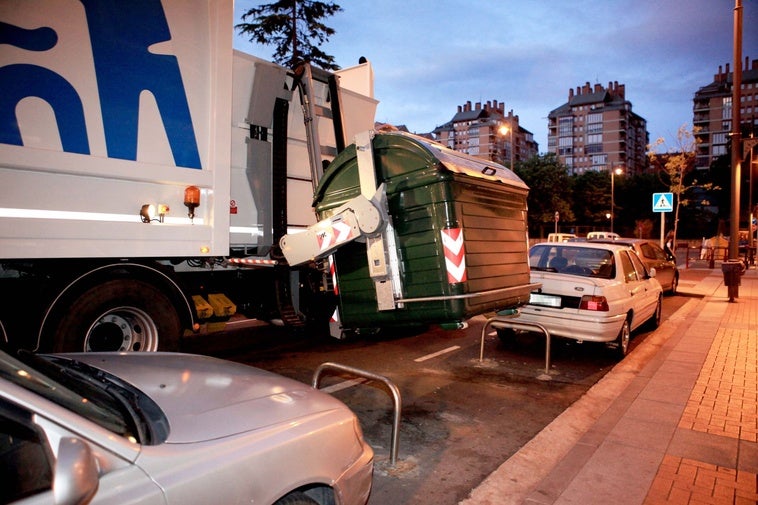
[(674, 285), (655, 320), (296, 499), (507, 336), (118, 315), (621, 344)]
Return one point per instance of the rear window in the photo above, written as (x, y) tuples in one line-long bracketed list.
[(581, 261), (653, 252)]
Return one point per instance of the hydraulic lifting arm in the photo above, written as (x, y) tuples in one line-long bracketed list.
[(364, 218)]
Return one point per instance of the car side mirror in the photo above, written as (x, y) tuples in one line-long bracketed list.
[(76, 473), (651, 272)]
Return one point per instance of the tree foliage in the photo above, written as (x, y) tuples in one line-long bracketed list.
[(592, 197), (549, 190), (676, 169), (584, 201), (295, 29)]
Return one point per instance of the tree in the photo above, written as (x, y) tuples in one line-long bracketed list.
[(592, 197), (634, 214), (549, 191), (294, 28), (675, 165)]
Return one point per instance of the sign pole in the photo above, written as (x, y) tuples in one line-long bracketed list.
[(662, 203)]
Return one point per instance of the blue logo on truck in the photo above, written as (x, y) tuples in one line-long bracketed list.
[(121, 33)]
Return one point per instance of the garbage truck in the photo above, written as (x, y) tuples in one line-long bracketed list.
[(155, 183)]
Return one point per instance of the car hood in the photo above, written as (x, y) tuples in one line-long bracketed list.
[(206, 398)]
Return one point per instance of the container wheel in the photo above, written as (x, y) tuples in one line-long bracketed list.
[(119, 315)]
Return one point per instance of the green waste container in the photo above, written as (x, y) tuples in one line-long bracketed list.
[(460, 233)]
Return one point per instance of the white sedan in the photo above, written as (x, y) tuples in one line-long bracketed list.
[(162, 428), (591, 292)]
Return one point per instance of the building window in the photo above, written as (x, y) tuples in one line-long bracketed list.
[(596, 138), (565, 126), (599, 159), (726, 110), (593, 148)]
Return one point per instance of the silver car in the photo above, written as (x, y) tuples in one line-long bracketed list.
[(592, 292), (162, 428), (653, 256)]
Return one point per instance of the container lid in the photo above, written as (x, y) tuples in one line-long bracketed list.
[(462, 163), (398, 154)]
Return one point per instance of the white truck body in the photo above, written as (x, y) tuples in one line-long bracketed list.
[(109, 106), (182, 122)]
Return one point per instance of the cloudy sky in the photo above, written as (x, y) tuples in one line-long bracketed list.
[(431, 56)]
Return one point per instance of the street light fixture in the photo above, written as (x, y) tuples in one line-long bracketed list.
[(507, 130), (616, 171)]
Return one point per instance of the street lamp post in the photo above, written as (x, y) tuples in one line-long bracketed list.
[(508, 129), (616, 171)]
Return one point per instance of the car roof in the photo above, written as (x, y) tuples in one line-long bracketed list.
[(623, 241), (590, 244)]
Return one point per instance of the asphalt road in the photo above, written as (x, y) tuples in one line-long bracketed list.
[(461, 416)]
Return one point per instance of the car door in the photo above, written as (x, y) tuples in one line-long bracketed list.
[(31, 464), (642, 298), (656, 257)]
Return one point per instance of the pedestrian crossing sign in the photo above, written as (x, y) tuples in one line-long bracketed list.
[(663, 202)]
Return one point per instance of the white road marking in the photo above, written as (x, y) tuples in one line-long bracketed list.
[(438, 353), (343, 385)]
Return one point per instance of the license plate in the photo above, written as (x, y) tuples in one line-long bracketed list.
[(548, 300)]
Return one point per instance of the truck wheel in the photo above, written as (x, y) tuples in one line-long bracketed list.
[(119, 315)]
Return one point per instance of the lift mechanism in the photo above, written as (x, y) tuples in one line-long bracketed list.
[(364, 218)]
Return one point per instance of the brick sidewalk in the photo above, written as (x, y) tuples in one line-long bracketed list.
[(723, 404), (675, 422)]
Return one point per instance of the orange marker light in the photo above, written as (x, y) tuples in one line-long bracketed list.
[(191, 199)]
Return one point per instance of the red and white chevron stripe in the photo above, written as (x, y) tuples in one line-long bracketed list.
[(333, 273), (455, 254), (333, 235)]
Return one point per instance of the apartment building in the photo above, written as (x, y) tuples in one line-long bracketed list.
[(485, 131), (712, 112), (596, 129)]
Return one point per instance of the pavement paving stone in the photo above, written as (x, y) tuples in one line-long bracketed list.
[(676, 424)]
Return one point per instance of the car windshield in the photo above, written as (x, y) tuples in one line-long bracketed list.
[(89, 392), (581, 261)]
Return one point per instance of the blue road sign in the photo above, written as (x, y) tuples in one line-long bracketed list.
[(663, 202)]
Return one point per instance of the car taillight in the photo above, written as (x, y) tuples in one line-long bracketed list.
[(598, 303)]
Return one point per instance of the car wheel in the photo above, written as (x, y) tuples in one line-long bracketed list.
[(674, 285), (655, 320), (506, 335), (622, 341), (297, 499)]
